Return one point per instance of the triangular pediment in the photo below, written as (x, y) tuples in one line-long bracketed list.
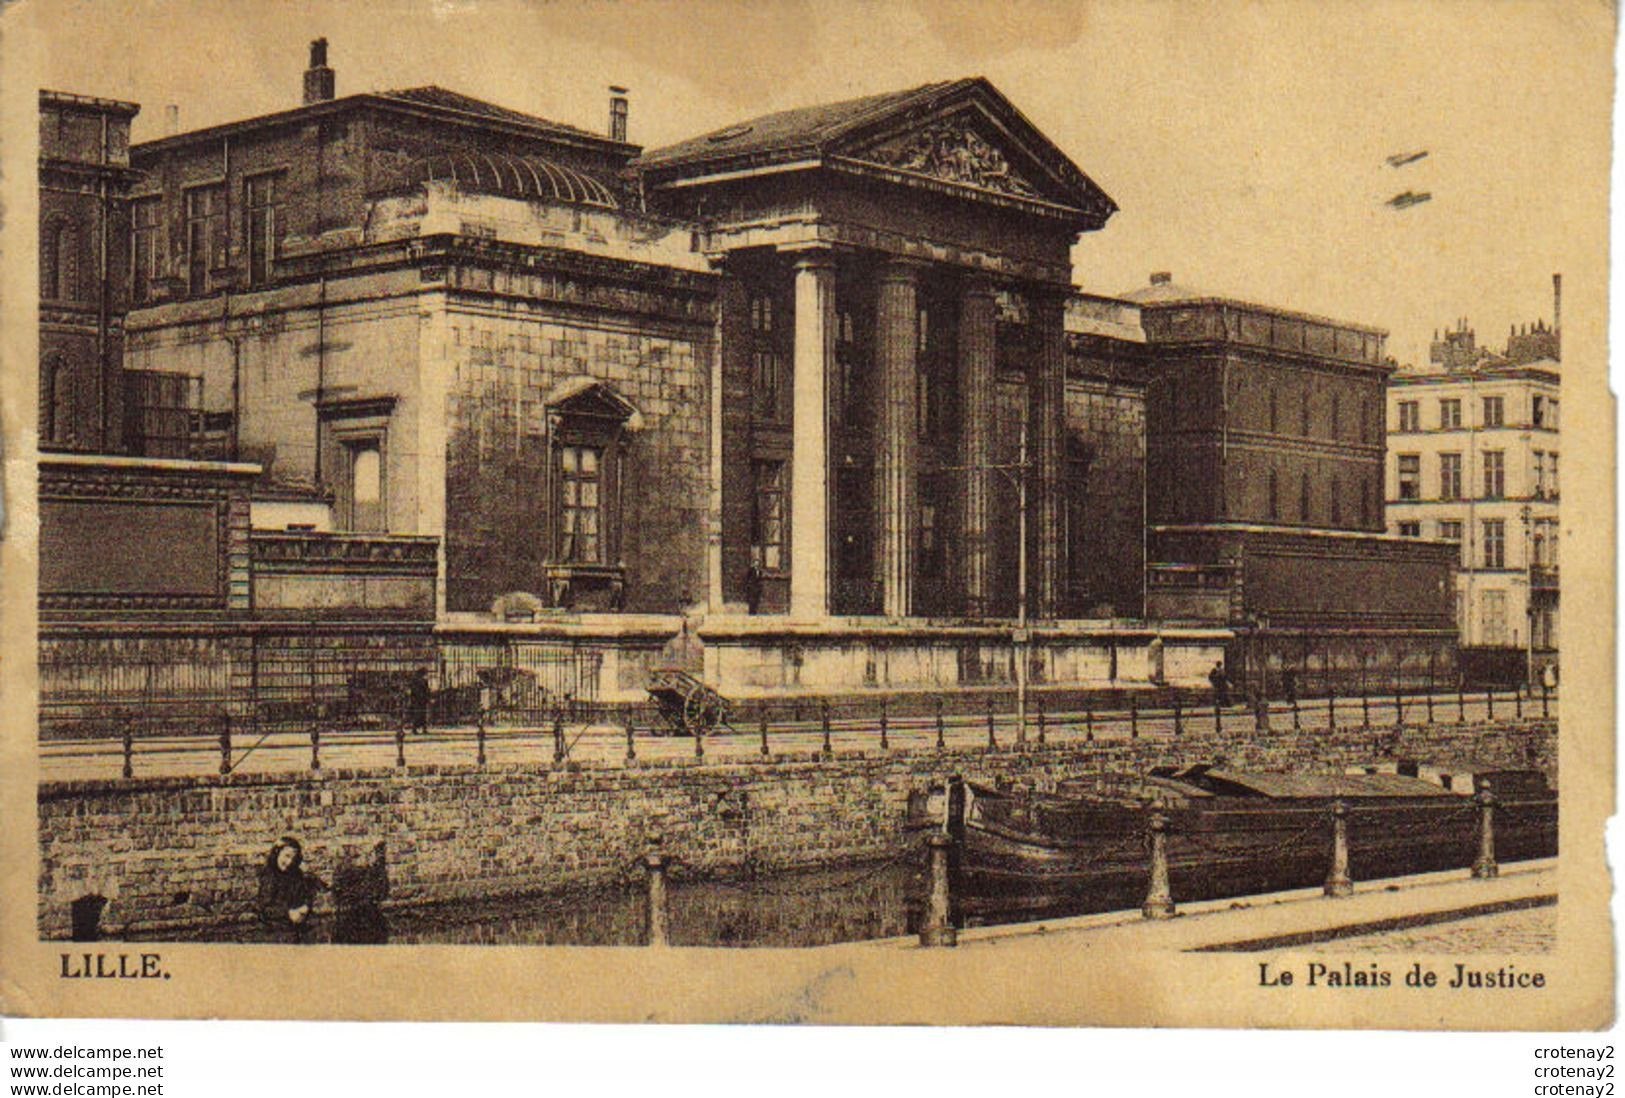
[(978, 141)]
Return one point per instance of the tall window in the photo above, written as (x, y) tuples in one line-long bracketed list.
[(146, 245), (59, 260), (1494, 474), (1274, 500), (1540, 474), (1303, 498), (1495, 543), (1335, 494), (1449, 476), (1410, 476), (263, 213), (581, 506), (767, 517), (1551, 474), (1410, 415), (205, 235), (767, 363), (1494, 412), (1450, 530), (366, 487), (1273, 409), (1450, 414)]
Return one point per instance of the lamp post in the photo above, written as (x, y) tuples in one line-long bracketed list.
[(1527, 516)]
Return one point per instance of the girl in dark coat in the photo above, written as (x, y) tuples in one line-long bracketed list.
[(286, 890)]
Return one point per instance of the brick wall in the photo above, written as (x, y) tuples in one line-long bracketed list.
[(184, 851)]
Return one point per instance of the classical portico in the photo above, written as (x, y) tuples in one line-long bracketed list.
[(898, 269)]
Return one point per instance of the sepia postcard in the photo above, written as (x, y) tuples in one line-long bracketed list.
[(905, 511)]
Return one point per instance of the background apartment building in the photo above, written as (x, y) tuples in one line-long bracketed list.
[(1474, 460)]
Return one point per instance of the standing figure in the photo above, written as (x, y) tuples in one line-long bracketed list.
[(1221, 685), (286, 890), (358, 891)]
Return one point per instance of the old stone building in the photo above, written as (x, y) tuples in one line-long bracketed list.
[(810, 374)]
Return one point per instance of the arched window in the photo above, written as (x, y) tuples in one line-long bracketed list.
[(57, 265)]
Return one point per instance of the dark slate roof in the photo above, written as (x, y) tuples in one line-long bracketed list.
[(801, 129), (431, 95)]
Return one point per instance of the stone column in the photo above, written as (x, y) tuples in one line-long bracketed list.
[(1046, 412), (809, 465), (896, 436), (978, 314)]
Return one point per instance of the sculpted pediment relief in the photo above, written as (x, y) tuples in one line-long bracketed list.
[(951, 150)]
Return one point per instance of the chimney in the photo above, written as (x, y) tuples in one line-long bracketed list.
[(172, 120), (1557, 303), (617, 112), (318, 78), (1161, 278)]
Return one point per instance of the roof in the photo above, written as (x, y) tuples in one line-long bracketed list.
[(527, 177), (802, 128), (429, 99), (432, 95), (88, 102), (1159, 293), (862, 134)]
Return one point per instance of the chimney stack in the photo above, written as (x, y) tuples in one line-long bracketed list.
[(617, 112), (172, 120), (1557, 303), (318, 78), (1161, 278)]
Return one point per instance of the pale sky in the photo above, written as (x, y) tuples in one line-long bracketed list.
[(1244, 142)]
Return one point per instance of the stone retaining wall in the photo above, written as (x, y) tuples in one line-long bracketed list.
[(183, 852)]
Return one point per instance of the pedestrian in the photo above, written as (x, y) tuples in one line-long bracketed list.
[(358, 892), (286, 891), (1548, 677), (1221, 685)]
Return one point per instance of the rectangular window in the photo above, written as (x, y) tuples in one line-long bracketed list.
[(1494, 474), (1495, 543), (146, 245), (1450, 530), (205, 235), (1410, 529), (580, 504), (1540, 474), (1410, 476), (1551, 474), (1410, 416), (263, 214), (364, 488), (1450, 476), (767, 517), (767, 386), (1494, 412), (1450, 414)]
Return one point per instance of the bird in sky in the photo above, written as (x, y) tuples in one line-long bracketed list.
[(1406, 199), (1399, 160)]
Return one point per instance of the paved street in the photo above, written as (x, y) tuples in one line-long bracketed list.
[(606, 745), (1533, 930)]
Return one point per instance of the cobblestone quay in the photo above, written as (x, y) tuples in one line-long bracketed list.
[(175, 852)]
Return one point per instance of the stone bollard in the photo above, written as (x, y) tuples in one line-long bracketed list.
[(1331, 711), (400, 745), (1461, 704), (1484, 867), (1261, 715), (1430, 705), (763, 730), (558, 738), (992, 739), (631, 739), (1218, 718), (827, 751), (1133, 718), (225, 744), (885, 725), (699, 744), (1399, 709), (1159, 901), (315, 749), (1489, 704), (129, 751), (479, 736), (657, 910), (1517, 704), (1365, 709), (1297, 717), (1043, 736), (941, 740), (1179, 717), (1337, 881), (1089, 722), (938, 929)]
